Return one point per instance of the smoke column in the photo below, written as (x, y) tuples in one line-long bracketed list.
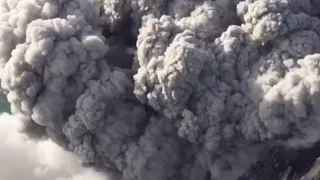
[(155, 89)]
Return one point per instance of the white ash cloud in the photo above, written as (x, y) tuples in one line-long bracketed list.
[(25, 158)]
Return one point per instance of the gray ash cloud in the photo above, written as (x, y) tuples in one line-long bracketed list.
[(164, 90)]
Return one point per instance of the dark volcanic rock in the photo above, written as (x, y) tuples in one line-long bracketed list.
[(271, 165), (286, 164), (314, 173)]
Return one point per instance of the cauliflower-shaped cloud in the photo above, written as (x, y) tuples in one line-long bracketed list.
[(163, 90)]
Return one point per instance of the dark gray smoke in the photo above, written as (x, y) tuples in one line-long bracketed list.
[(164, 90)]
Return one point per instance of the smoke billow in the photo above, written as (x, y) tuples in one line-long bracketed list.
[(25, 158), (157, 90)]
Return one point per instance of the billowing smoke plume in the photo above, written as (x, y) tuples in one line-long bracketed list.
[(24, 158), (164, 90)]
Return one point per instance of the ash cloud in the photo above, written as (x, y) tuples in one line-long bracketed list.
[(164, 90), (25, 158)]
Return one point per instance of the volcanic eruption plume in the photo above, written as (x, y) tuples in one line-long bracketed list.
[(163, 90)]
